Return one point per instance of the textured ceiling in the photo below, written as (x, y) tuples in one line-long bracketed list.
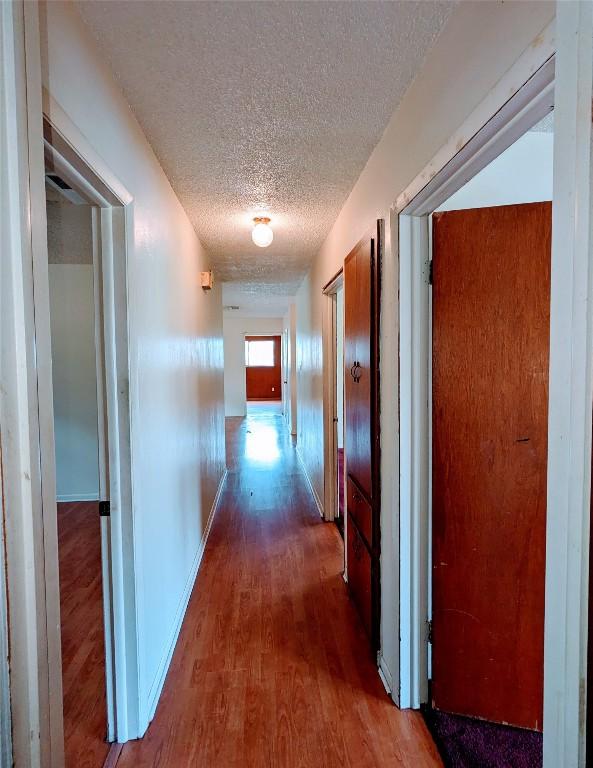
[(263, 106)]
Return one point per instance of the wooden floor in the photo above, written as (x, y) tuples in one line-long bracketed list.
[(272, 667), (83, 659)]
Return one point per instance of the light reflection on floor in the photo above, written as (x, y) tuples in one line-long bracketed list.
[(261, 442)]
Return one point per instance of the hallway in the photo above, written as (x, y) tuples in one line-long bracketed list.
[(272, 667)]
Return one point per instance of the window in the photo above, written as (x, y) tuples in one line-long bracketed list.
[(259, 353)]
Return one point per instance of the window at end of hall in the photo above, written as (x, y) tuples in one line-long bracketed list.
[(259, 354)]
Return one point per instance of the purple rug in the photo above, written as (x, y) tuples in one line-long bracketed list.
[(467, 743)]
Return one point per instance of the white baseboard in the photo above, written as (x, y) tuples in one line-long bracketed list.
[(385, 675), (159, 681), (310, 483), (77, 497)]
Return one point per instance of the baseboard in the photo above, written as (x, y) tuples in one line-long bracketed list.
[(385, 674), (65, 497), (310, 483), (157, 687)]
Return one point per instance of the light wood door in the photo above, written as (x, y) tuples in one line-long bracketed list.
[(491, 297)]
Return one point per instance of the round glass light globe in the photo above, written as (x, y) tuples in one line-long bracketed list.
[(262, 235)]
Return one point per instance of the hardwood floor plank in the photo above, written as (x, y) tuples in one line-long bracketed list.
[(272, 668), (83, 651)]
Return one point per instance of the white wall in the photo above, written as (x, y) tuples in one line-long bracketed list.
[(522, 174), (479, 43), (74, 381), (175, 343), (69, 245), (235, 330)]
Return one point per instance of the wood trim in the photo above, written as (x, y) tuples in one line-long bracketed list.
[(376, 428)]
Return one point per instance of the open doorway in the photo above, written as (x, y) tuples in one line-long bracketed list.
[(340, 507), (74, 312), (334, 458), (491, 256), (85, 449)]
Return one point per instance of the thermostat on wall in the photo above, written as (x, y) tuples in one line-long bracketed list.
[(207, 280)]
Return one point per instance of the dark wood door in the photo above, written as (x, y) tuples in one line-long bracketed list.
[(358, 278), (264, 382), (361, 425), (491, 298)]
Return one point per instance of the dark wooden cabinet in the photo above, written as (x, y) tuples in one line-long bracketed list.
[(359, 576), (361, 419)]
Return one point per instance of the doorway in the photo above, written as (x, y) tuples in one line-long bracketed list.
[(335, 462), (74, 322), (86, 349), (501, 323), (340, 510)]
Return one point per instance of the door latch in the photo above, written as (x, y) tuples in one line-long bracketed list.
[(105, 508)]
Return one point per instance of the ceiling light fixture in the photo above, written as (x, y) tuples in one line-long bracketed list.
[(262, 234)]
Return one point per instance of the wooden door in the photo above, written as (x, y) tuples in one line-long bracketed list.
[(264, 382), (361, 425), (358, 276), (491, 297)]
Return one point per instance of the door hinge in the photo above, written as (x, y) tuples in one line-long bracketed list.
[(105, 508), (430, 272), (429, 631)]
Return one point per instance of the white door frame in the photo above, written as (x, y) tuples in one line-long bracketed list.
[(26, 405), (409, 221), (330, 447), (9, 126), (112, 224), (496, 124), (28, 483), (571, 395)]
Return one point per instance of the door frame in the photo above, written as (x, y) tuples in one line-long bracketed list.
[(112, 219), (31, 536), (11, 467), (330, 443), (553, 70), (493, 130), (38, 126)]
